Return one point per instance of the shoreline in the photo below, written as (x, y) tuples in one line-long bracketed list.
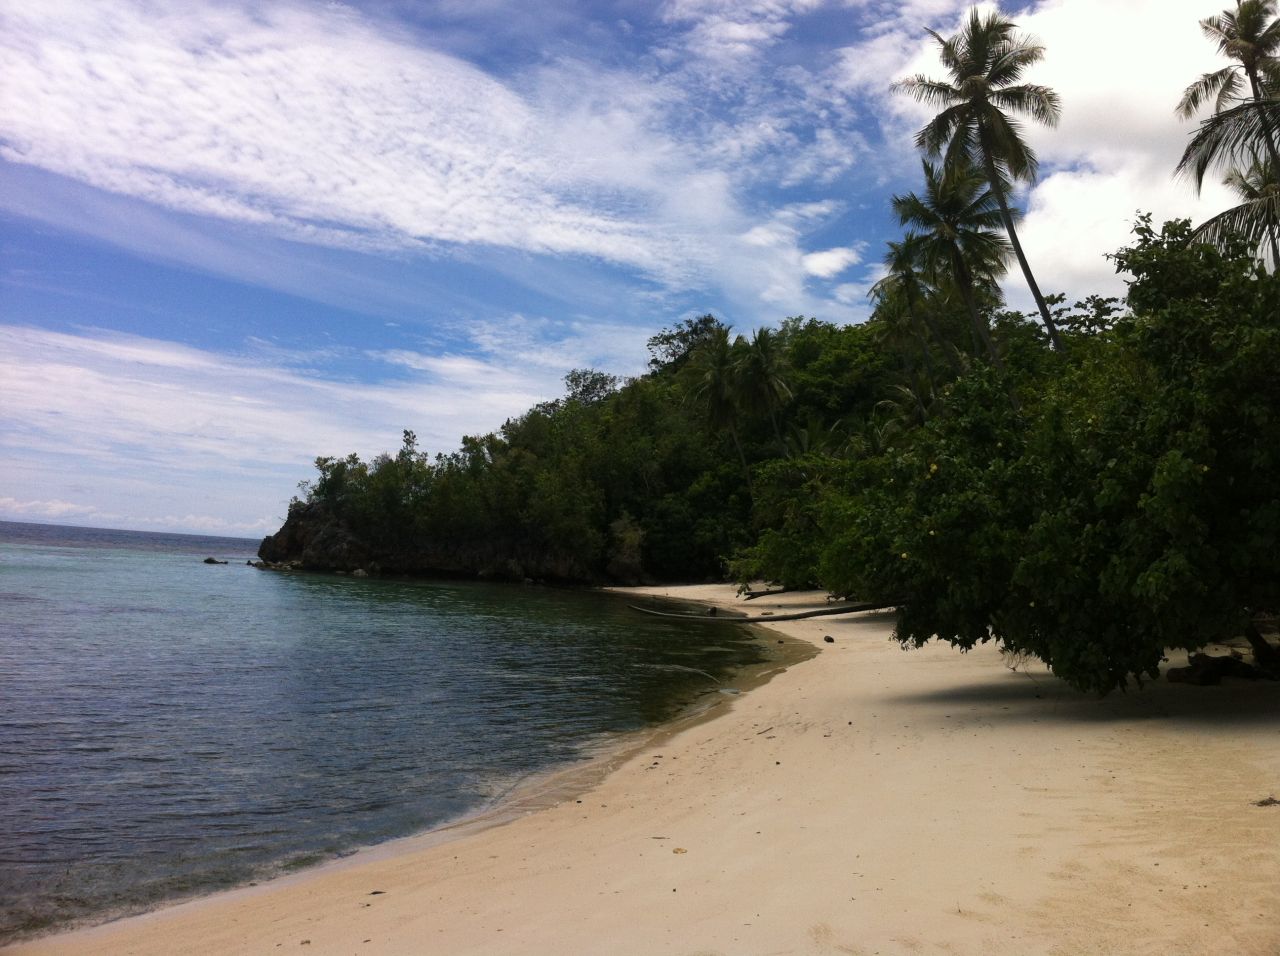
[(531, 793), (866, 800)]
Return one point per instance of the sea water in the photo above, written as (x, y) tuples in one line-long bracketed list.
[(170, 727)]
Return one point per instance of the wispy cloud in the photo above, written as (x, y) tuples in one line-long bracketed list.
[(91, 419), (320, 125), (306, 120), (729, 32)]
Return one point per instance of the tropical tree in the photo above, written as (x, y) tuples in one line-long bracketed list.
[(1250, 35), (986, 60), (953, 227)]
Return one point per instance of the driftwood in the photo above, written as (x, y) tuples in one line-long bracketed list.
[(765, 619), (752, 595), (1206, 669), (1266, 656)]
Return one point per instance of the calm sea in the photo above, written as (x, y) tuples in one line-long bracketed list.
[(169, 727)]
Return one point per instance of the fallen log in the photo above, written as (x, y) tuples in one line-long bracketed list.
[(752, 595), (1205, 670), (765, 619)]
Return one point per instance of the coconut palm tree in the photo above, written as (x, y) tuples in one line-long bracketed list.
[(953, 228), (899, 332), (1250, 35), (712, 364), (760, 383), (986, 60), (906, 282)]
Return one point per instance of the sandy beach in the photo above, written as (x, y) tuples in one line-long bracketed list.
[(865, 801)]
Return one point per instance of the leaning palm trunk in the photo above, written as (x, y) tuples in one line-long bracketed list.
[(997, 188)]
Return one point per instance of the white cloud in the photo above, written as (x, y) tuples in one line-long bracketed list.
[(43, 510), (829, 263), (1114, 151)]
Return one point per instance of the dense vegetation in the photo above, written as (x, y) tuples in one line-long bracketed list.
[(1090, 485)]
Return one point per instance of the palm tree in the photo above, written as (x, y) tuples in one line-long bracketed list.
[(1250, 35), (760, 382), (898, 332), (953, 228), (986, 59), (1256, 219), (712, 364), (905, 282)]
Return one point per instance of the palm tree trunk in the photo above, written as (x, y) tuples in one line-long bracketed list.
[(923, 342), (997, 188), (980, 325), (777, 433), (964, 280), (935, 333), (737, 446)]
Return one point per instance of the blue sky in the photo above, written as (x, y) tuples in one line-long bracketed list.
[(235, 236)]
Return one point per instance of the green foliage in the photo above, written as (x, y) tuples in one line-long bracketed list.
[(1128, 508), (671, 348)]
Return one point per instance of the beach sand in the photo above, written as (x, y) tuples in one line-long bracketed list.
[(866, 801)]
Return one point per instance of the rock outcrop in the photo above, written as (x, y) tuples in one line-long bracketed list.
[(314, 538)]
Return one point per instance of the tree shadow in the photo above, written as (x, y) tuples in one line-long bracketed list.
[(1030, 694), (1025, 696)]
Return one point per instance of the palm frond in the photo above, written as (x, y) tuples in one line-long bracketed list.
[(1228, 138), (942, 130), (1010, 60), (934, 93), (1220, 86), (947, 51), (1256, 221), (1220, 28), (1039, 102), (1005, 145)]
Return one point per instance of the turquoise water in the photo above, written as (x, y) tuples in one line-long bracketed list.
[(169, 727)]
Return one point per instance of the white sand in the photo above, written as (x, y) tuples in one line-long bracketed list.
[(869, 800)]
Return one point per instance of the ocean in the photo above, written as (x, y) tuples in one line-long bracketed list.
[(169, 727)]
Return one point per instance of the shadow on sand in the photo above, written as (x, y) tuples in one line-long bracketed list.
[(1031, 694)]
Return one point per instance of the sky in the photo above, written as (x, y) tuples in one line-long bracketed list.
[(235, 236)]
